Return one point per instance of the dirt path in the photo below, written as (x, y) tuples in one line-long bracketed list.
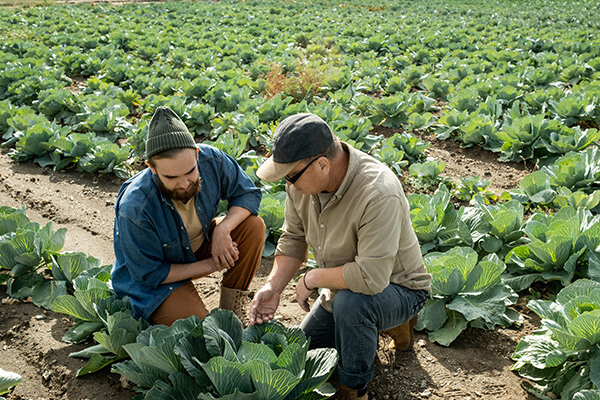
[(477, 366)]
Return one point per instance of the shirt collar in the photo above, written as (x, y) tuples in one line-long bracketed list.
[(353, 162)]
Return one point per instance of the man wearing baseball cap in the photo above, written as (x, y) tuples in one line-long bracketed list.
[(166, 233), (352, 211)]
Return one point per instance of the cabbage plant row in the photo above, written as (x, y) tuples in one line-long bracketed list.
[(480, 69), (81, 95)]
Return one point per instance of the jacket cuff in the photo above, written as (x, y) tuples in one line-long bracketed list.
[(156, 277), (250, 202)]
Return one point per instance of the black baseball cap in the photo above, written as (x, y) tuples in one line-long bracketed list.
[(297, 137)]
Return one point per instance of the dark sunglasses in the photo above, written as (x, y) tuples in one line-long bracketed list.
[(293, 179)]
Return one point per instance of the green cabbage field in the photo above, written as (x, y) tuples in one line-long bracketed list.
[(518, 79)]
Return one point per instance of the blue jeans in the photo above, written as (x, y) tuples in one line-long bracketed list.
[(356, 321)]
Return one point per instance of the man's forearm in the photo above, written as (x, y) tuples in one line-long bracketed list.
[(197, 269), (235, 216), (330, 278), (284, 269)]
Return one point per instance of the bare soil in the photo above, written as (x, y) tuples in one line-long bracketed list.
[(476, 366)]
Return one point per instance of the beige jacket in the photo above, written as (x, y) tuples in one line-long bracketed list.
[(365, 227)]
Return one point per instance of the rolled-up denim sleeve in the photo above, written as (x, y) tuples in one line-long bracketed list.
[(236, 187), (378, 239), (142, 251)]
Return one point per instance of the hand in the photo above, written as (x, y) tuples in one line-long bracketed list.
[(303, 292), (264, 305), (208, 266), (223, 249)]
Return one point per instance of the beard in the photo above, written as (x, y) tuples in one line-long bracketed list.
[(179, 194)]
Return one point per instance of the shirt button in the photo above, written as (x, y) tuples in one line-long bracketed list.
[(187, 248), (170, 287), (319, 247), (322, 226)]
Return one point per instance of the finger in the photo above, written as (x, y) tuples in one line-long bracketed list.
[(304, 306), (217, 262), (230, 261), (267, 317), (223, 261), (232, 258)]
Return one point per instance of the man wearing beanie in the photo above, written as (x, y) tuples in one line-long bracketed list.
[(166, 233), (352, 211)]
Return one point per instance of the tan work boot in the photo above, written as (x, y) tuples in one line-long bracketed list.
[(236, 300), (403, 336), (345, 393)]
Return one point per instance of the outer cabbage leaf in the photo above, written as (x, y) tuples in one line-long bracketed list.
[(490, 305), (453, 327), (433, 315), (179, 387), (222, 328), (11, 219), (292, 358), (192, 350), (564, 356), (587, 326), (576, 170), (68, 266), (587, 394), (465, 291), (320, 364), (541, 351), (159, 356), (436, 222), (537, 187), (142, 375), (228, 376), (254, 333), (271, 384), (8, 380)]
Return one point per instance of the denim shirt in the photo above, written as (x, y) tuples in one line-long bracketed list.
[(149, 234)]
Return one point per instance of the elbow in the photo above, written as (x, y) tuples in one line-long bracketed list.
[(369, 287), (154, 279), (359, 280), (374, 289)]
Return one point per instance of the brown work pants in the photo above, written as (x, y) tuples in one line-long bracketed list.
[(185, 300)]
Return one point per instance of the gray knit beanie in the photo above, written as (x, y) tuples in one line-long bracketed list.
[(167, 131)]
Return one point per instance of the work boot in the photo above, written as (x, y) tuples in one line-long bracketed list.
[(236, 300), (345, 393), (403, 336)]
